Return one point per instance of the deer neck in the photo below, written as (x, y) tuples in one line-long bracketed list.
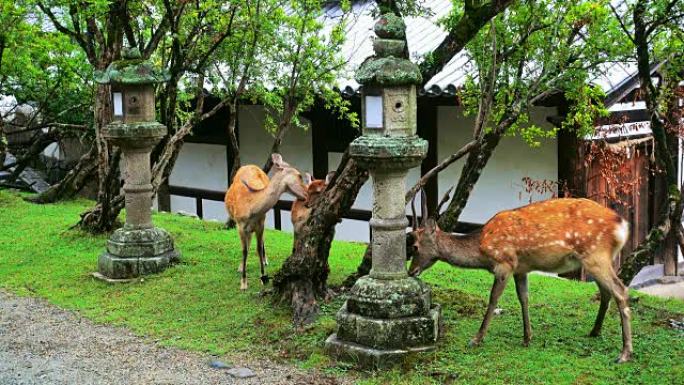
[(462, 250), (269, 196)]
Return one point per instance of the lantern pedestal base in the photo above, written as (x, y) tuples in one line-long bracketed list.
[(383, 321), (135, 252)]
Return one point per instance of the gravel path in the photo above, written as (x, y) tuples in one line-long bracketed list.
[(42, 344)]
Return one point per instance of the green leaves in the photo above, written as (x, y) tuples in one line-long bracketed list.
[(42, 66), (541, 49)]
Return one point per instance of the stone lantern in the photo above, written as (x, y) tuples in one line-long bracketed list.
[(388, 314), (138, 248)]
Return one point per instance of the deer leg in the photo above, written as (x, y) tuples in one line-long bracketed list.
[(521, 290), (263, 249), (262, 254), (605, 301), (497, 289), (606, 277), (246, 240), (241, 267), (621, 296)]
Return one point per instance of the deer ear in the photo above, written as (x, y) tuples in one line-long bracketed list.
[(254, 184), (329, 177), (307, 178), (277, 160)]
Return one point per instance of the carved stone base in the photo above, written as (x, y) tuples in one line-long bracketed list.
[(370, 358), (132, 253), (383, 321)]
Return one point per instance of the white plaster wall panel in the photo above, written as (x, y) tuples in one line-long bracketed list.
[(353, 230), (286, 221), (500, 187), (270, 222), (214, 210), (185, 204), (255, 142), (411, 179), (201, 166)]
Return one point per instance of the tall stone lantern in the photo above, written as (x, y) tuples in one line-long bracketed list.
[(388, 314), (138, 248)]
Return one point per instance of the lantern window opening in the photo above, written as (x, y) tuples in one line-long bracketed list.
[(117, 102), (374, 114)]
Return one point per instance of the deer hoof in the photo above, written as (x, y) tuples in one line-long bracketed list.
[(474, 343), (624, 357), (243, 285), (594, 333), (265, 279)]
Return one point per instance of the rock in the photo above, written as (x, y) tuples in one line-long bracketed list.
[(242, 373), (216, 364), (186, 214)]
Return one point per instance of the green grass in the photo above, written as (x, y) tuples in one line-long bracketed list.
[(197, 305)]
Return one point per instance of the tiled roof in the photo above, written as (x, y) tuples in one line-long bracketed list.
[(424, 34)]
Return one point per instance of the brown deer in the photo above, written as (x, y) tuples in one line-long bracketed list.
[(302, 209), (251, 196), (557, 235)]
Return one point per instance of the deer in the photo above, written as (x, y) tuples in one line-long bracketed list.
[(250, 196), (557, 235), (302, 209)]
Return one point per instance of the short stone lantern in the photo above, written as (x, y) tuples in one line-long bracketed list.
[(388, 314), (138, 248)]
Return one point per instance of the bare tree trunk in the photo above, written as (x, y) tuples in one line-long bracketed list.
[(303, 277), (234, 148), (233, 144), (103, 216), (671, 216), (283, 127)]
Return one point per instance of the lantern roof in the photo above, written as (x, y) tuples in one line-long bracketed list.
[(390, 65), (132, 69)]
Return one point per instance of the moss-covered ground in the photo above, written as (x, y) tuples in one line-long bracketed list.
[(197, 305)]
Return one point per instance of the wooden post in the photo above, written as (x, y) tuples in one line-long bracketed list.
[(427, 129), (319, 146)]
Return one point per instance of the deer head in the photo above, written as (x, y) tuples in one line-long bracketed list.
[(289, 176), (424, 248)]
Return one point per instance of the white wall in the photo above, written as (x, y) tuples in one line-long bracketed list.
[(500, 186)]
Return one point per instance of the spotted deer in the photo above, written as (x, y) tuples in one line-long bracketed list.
[(302, 209), (557, 235), (251, 195)]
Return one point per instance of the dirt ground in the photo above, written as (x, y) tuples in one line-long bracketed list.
[(42, 344)]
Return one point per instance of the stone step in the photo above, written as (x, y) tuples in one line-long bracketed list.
[(393, 333), (367, 357)]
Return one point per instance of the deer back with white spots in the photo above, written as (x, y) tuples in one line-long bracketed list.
[(557, 235)]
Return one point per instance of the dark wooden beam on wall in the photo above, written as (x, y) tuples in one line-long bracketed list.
[(570, 169), (319, 146), (427, 129)]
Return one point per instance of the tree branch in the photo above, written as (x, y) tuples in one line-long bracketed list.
[(473, 19)]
